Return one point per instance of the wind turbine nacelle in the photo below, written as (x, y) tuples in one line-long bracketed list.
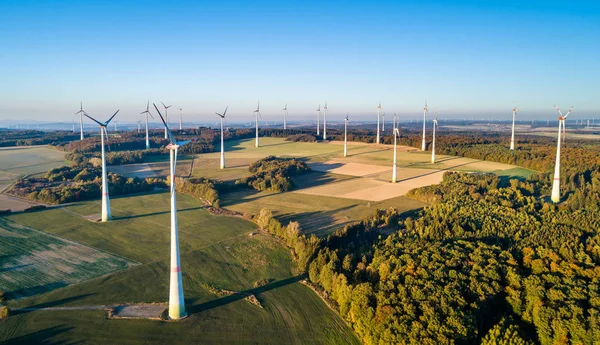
[(172, 146)]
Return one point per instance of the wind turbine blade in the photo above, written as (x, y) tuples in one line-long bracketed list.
[(93, 119), (171, 138), (181, 143), (162, 104), (225, 112), (115, 114)]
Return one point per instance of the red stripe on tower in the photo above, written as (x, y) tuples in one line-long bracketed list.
[(175, 269)]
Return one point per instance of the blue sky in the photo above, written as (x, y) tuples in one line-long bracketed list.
[(466, 58)]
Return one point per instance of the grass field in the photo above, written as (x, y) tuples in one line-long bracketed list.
[(217, 252), (33, 262)]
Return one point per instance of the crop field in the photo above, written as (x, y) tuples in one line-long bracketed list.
[(16, 162), (320, 214), (33, 262), (217, 254)]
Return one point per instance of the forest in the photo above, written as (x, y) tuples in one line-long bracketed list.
[(484, 262), (273, 173)]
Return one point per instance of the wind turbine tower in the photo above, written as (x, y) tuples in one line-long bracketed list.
[(318, 118), (180, 119), (166, 116), (147, 112), (80, 112), (285, 116), (512, 137), (106, 216), (383, 122), (257, 113), (423, 144), (378, 112), (176, 299), (346, 136), (139, 125), (222, 116), (394, 168), (325, 122), (556, 182), (435, 124)]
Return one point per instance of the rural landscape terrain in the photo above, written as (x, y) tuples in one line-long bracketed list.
[(265, 172)]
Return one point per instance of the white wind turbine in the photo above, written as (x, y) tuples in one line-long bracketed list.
[(285, 116), (318, 118), (257, 113), (180, 119), (423, 144), (383, 122), (166, 116), (106, 215), (435, 124), (176, 299), (346, 136), (139, 125), (222, 116), (147, 112), (512, 137), (556, 182), (80, 112), (394, 168), (378, 112), (325, 122)]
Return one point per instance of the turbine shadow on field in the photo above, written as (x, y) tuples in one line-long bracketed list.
[(317, 222), (56, 303), (8, 269), (34, 290), (44, 336), (313, 179), (367, 152), (157, 213), (219, 302), (433, 172)]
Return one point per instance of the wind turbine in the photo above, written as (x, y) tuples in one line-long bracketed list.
[(139, 125), (284, 116), (257, 112), (318, 118), (512, 138), (556, 182), (176, 299), (166, 116), (378, 112), (80, 112), (325, 122), (435, 124), (346, 136), (116, 129), (394, 168), (147, 112), (106, 216), (222, 146), (423, 144), (180, 119)]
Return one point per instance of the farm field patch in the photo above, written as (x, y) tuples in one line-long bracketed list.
[(216, 253), (33, 262)]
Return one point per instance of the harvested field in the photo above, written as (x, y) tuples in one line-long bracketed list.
[(33, 262), (8, 202), (373, 189), (144, 170), (18, 161), (351, 169)]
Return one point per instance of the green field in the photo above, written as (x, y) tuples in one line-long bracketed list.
[(217, 251), (33, 262)]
